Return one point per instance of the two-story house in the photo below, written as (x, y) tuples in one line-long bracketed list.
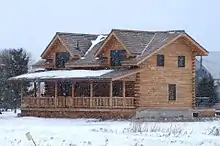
[(121, 74)]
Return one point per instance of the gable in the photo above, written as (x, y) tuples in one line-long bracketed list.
[(111, 47), (185, 39), (111, 42), (56, 48), (55, 45)]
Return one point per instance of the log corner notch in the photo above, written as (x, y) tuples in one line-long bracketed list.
[(137, 91), (193, 80)]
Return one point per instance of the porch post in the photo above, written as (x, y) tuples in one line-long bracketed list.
[(73, 88), (110, 94), (22, 102), (39, 92), (123, 92), (55, 94), (35, 89), (91, 93)]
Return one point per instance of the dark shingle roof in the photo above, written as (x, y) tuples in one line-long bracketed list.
[(138, 43), (74, 40)]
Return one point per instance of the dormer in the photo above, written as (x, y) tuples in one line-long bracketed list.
[(63, 48), (113, 50)]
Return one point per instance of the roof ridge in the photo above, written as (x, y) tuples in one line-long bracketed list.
[(149, 31), (75, 33)]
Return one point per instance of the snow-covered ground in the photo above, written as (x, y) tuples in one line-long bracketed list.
[(91, 132)]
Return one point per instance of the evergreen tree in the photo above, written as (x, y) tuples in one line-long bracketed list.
[(206, 88), (15, 63)]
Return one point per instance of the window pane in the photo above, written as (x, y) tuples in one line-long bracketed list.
[(181, 61), (117, 56), (160, 60), (172, 91)]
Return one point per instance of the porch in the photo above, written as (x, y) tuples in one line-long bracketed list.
[(81, 94)]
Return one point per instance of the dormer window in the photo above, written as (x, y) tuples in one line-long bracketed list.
[(61, 59), (117, 56)]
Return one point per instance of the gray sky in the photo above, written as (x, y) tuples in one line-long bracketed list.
[(31, 24)]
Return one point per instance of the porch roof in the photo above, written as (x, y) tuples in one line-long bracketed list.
[(76, 74)]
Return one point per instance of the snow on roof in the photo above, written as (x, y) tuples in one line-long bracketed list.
[(94, 42), (62, 74)]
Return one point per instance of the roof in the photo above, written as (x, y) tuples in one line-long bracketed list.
[(59, 74), (140, 45), (77, 43), (136, 41), (77, 74)]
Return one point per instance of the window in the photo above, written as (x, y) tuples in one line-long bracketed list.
[(160, 60), (181, 61), (61, 59), (117, 56), (172, 91)]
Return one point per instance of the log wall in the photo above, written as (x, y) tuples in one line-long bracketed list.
[(154, 80), (67, 113)]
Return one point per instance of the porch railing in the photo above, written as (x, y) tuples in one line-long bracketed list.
[(78, 102)]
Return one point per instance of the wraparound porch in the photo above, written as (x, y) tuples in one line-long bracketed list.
[(106, 95)]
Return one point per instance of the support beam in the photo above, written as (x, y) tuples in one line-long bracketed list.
[(123, 88), (73, 88), (91, 89), (123, 92), (91, 93), (39, 92), (110, 93), (35, 89), (22, 95), (55, 94)]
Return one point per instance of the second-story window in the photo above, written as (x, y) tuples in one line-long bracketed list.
[(160, 60), (61, 59), (116, 56), (181, 61)]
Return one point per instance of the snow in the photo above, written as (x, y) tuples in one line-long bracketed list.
[(92, 132), (63, 74), (94, 42)]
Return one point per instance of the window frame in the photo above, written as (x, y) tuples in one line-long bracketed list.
[(170, 96), (159, 63), (117, 61), (180, 63)]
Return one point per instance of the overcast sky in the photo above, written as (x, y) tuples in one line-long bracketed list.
[(31, 24)]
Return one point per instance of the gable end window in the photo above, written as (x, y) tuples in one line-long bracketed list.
[(181, 61), (117, 56), (172, 92), (160, 60), (61, 59)]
